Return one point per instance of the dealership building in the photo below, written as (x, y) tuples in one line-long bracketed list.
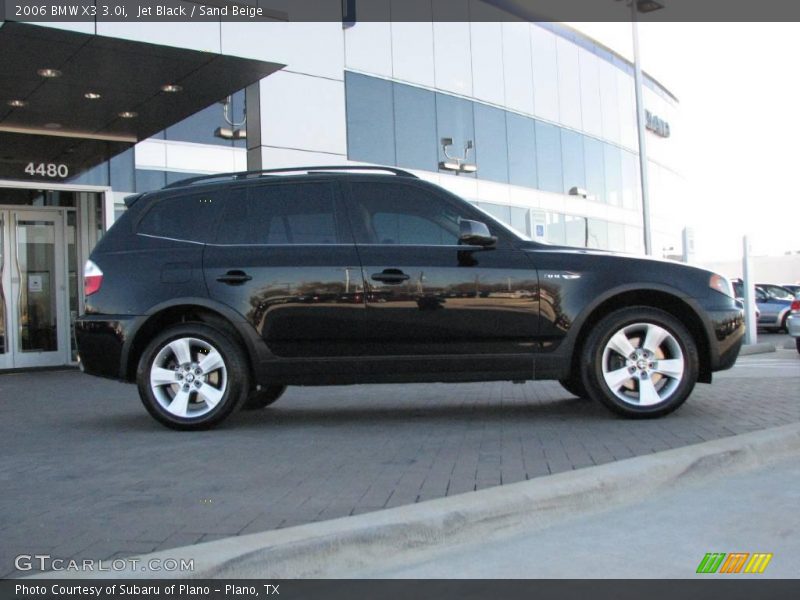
[(535, 123)]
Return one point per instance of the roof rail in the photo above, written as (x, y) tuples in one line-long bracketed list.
[(267, 172)]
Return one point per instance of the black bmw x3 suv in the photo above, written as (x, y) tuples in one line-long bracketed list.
[(217, 292)]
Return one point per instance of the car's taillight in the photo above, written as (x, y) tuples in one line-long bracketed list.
[(796, 306), (92, 278)]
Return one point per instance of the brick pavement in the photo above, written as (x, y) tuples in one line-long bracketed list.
[(86, 473)]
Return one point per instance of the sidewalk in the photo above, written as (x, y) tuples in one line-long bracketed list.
[(663, 536)]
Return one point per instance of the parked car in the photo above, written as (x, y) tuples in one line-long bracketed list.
[(772, 306), (219, 291), (778, 305)]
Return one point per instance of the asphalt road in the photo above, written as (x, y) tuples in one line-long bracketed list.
[(86, 473)]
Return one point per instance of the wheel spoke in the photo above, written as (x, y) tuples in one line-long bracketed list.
[(212, 362), (621, 344), (210, 394), (182, 350), (670, 368), (655, 336), (180, 404), (647, 393), (615, 379), (159, 376)]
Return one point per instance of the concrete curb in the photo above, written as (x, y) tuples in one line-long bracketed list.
[(331, 548), (760, 348)]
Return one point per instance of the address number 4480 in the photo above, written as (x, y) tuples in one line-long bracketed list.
[(47, 170)]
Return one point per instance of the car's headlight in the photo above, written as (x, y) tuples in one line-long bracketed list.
[(721, 284)]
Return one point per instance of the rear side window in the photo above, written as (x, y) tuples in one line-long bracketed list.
[(191, 217), (300, 213)]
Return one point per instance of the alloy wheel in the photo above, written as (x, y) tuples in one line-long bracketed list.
[(188, 377), (643, 364)]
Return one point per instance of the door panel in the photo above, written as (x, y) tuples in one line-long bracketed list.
[(426, 293), (286, 262), (454, 301), (5, 286)]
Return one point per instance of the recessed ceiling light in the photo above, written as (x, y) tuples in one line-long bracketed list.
[(171, 88), (128, 114), (92, 96), (53, 126), (17, 103), (51, 73)]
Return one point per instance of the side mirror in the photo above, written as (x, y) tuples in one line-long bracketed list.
[(475, 233)]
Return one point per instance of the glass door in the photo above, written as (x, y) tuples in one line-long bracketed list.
[(35, 320), (5, 286)]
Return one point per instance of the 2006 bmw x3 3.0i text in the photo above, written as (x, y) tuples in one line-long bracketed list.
[(217, 292)]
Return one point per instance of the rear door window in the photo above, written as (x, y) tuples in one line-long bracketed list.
[(281, 214)]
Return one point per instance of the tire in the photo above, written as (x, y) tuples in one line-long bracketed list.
[(264, 397), (661, 372), (797, 343), (575, 387), (195, 399)]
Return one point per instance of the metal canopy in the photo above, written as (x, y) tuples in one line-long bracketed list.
[(59, 124)]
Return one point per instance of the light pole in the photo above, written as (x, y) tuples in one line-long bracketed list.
[(643, 6)]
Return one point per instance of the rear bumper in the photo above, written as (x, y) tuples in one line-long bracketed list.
[(103, 343)]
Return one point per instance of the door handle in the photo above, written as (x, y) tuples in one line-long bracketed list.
[(234, 278), (390, 276)]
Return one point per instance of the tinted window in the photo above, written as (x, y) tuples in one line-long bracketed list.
[(548, 157), (370, 119), (612, 159), (595, 168), (201, 126), (521, 150), (572, 154), (189, 217), (415, 127), (399, 214), (280, 214), (491, 147)]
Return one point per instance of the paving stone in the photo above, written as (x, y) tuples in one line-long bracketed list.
[(87, 473)]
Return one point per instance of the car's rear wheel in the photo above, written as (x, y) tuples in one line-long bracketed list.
[(797, 343), (192, 376), (640, 362), (574, 386), (264, 397)]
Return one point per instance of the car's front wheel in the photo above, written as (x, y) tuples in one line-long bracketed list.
[(640, 362), (192, 376), (264, 397)]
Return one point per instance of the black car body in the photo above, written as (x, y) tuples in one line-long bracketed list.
[(335, 277)]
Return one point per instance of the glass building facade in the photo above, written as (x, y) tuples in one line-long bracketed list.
[(401, 125)]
